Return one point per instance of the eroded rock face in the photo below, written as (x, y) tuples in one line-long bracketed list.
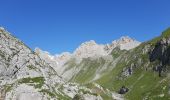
[(19, 63), (25, 92), (161, 52), (161, 55), (15, 57)]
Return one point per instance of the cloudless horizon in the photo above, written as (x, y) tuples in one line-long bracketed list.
[(62, 25)]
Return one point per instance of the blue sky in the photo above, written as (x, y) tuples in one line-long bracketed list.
[(62, 25)]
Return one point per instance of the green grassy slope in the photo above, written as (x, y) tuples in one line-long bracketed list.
[(144, 83)]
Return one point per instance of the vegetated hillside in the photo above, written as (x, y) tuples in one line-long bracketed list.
[(144, 70)]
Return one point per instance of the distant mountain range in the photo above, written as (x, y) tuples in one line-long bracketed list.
[(123, 69), (87, 50)]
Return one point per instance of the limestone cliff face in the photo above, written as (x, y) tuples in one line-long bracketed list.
[(19, 65)]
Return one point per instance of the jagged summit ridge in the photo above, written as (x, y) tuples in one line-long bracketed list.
[(89, 49), (92, 49), (124, 43)]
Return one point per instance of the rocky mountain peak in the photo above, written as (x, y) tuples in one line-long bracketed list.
[(92, 49), (122, 40), (88, 49), (124, 43), (126, 39), (89, 43)]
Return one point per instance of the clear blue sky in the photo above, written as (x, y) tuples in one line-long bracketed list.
[(62, 25)]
